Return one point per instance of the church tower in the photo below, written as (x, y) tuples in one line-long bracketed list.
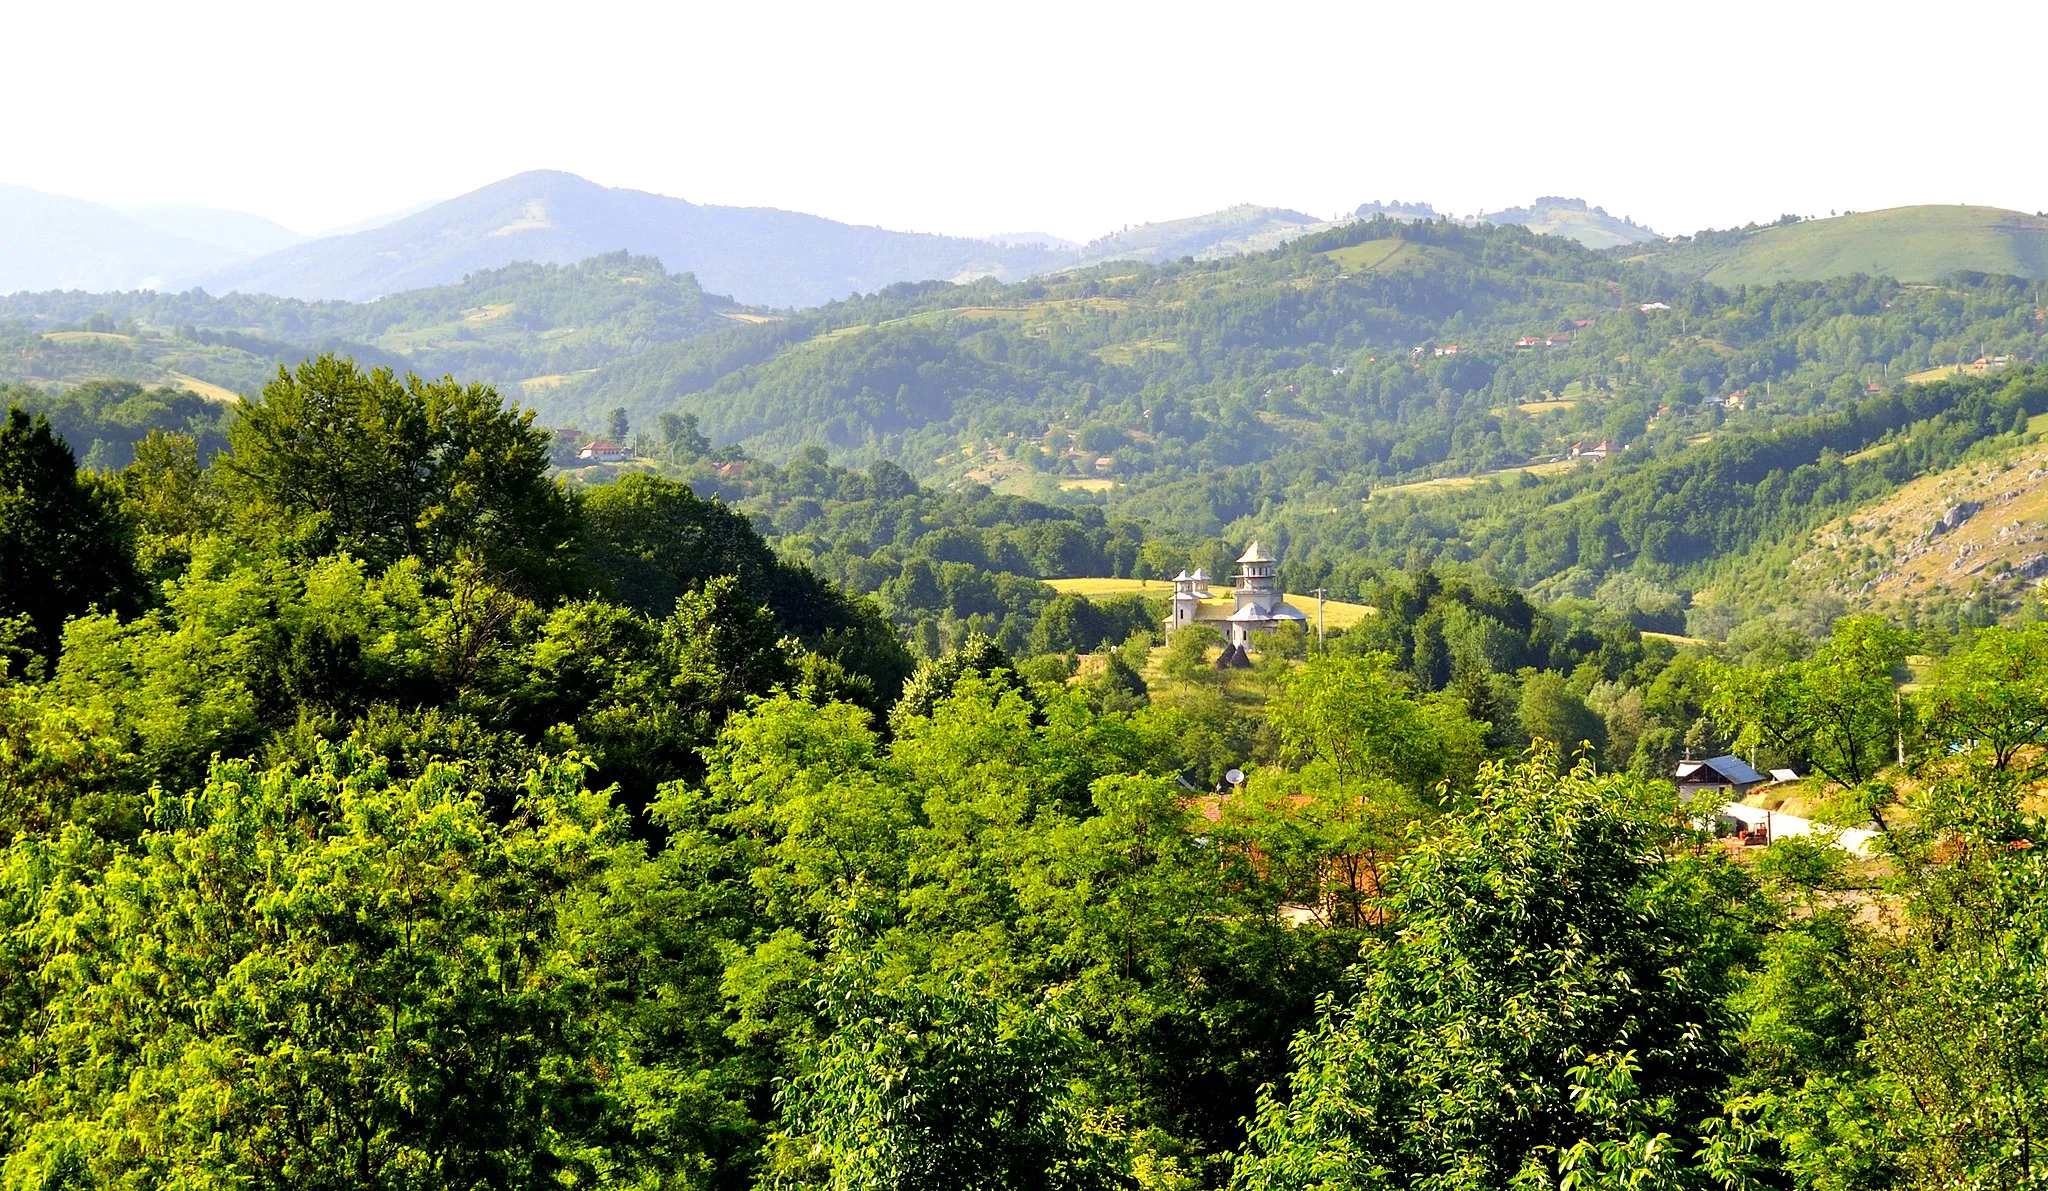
[(1255, 586), (1188, 593)]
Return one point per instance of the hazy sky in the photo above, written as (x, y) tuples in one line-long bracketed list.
[(1072, 118)]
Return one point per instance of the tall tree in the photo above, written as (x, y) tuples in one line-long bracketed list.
[(64, 546), (330, 458)]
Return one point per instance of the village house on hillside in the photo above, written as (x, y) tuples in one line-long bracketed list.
[(1721, 778), (1257, 603), (601, 451)]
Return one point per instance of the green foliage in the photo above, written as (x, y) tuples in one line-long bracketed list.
[(949, 1086), (1994, 694), (1837, 710), (935, 680), (333, 458), (64, 546), (1548, 1011), (323, 979)]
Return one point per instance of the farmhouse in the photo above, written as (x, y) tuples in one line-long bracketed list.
[(1722, 778), (600, 451)]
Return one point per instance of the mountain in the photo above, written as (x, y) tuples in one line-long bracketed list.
[(1917, 244), (1233, 230), (1573, 219), (758, 254), (236, 233), (49, 241)]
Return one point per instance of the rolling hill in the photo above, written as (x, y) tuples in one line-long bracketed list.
[(1574, 219), (1233, 230), (1571, 218), (1914, 244), (524, 327)]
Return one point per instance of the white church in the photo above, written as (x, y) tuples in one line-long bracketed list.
[(1258, 603)]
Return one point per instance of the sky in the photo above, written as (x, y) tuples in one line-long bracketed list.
[(1074, 119)]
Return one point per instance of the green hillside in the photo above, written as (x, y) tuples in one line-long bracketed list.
[(1574, 219), (1914, 244), (526, 327)]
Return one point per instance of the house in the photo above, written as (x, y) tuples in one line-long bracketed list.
[(1104, 462), (1593, 452), (1336, 372), (1647, 307), (1739, 399), (1557, 340), (731, 471), (1451, 350), (1527, 341), (1582, 323), (1873, 387), (600, 451), (1721, 779)]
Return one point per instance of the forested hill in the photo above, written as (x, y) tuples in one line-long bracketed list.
[(1339, 388), (525, 327)]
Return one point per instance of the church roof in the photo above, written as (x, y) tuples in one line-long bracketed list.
[(1256, 553), (1200, 575), (1253, 613), (1183, 577)]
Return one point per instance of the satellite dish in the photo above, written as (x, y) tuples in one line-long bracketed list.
[(1235, 777)]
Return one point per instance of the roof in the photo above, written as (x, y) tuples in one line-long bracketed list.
[(601, 445), (1252, 613), (1732, 770), (1183, 577), (1200, 575), (1255, 553)]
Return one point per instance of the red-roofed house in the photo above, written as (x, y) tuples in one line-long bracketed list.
[(600, 451)]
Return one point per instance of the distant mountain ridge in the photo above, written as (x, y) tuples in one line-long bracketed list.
[(758, 254), (1551, 215), (51, 241)]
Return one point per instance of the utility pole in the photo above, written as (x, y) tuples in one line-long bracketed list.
[(1318, 594)]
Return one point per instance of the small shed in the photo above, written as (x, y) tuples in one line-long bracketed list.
[(1726, 779)]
